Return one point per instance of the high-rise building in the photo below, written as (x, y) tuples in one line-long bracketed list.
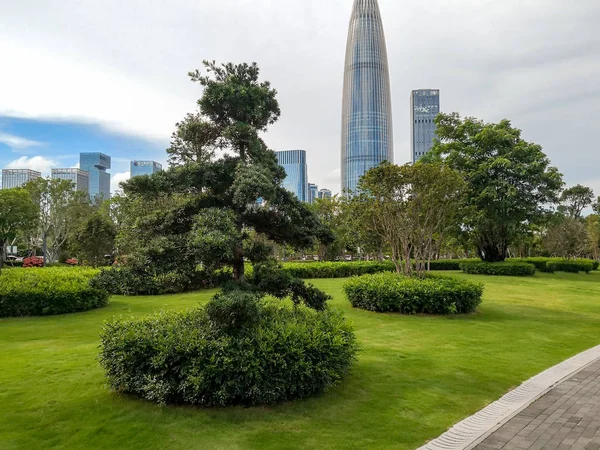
[(367, 135), (79, 178), (13, 178), (324, 193), (313, 192), (144, 168), (424, 107), (296, 180), (96, 165)]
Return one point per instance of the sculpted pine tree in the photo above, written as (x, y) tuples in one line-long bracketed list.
[(224, 187)]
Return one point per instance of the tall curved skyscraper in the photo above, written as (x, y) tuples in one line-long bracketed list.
[(367, 135)]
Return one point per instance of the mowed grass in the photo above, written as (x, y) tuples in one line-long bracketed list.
[(415, 377)]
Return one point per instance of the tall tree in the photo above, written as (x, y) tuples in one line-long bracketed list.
[(593, 229), (412, 208), (511, 182), (575, 199), (596, 206), (205, 209), (54, 197), (17, 213)]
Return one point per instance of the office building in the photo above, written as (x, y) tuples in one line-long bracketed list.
[(313, 192), (144, 168), (367, 135), (424, 107), (79, 178), (324, 193), (296, 180), (96, 164), (13, 178)]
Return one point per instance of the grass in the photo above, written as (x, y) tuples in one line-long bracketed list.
[(416, 376)]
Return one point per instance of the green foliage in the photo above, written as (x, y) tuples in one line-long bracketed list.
[(391, 292), (239, 351), (17, 213), (572, 266), (506, 268), (539, 262), (94, 239), (511, 181), (49, 291), (575, 199), (412, 208), (568, 238), (138, 279)]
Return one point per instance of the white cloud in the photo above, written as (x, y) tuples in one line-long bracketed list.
[(17, 142), (118, 178), (75, 166), (39, 163)]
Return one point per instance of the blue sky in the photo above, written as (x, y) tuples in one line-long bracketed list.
[(42, 145)]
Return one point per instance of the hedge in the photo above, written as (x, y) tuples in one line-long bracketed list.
[(391, 292), (49, 291), (571, 266), (239, 350), (506, 268)]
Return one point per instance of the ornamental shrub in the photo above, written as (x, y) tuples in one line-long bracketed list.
[(391, 292), (506, 268), (239, 350), (571, 266), (72, 262), (33, 261), (54, 290)]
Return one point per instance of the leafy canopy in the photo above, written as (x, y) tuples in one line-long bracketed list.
[(511, 182)]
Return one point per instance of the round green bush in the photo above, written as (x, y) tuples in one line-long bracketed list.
[(507, 268), (239, 350), (48, 291), (391, 292)]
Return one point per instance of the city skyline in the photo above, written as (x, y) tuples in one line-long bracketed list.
[(546, 87), (367, 126)]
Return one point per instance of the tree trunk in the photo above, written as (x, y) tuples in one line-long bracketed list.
[(3, 253), (238, 263), (45, 248), (491, 252)]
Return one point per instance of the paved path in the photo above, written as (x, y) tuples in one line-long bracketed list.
[(566, 418)]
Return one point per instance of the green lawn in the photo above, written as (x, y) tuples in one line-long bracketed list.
[(416, 376)]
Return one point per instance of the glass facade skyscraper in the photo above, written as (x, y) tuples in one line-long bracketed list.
[(296, 180), (313, 192), (324, 193), (96, 165), (79, 178), (13, 178), (144, 168), (424, 107), (367, 135)]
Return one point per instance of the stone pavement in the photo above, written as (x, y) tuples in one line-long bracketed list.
[(566, 418)]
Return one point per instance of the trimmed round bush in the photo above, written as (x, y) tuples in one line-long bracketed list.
[(239, 350), (49, 291), (571, 266), (391, 292), (506, 268)]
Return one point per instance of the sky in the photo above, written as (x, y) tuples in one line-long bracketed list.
[(111, 76)]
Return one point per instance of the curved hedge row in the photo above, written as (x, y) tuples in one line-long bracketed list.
[(390, 292), (53, 290), (236, 351), (512, 269)]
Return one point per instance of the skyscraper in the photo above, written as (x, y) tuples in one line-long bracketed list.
[(324, 193), (367, 135), (294, 163), (79, 178), (96, 165), (13, 178), (144, 168), (424, 107), (313, 192)]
